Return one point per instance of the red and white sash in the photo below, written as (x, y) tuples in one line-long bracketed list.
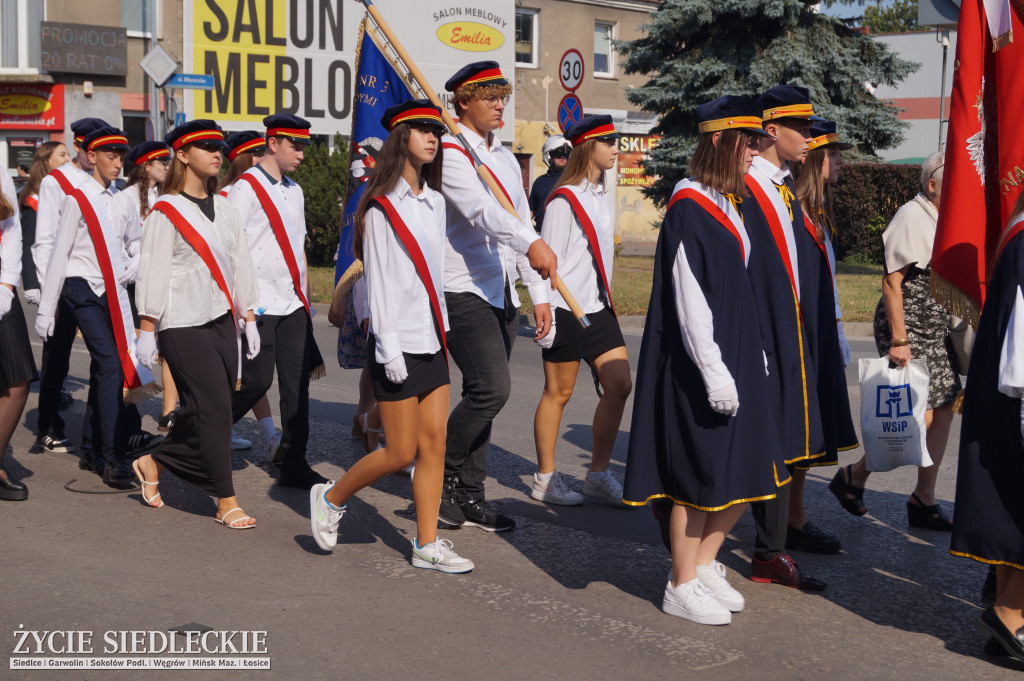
[(412, 247), (778, 215), (718, 207), (291, 252), (32, 202), (225, 190), (204, 241), (138, 381), (66, 185), (588, 228)]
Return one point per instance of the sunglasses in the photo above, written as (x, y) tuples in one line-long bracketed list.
[(560, 152)]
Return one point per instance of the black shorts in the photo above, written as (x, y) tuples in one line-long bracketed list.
[(426, 372), (573, 342)]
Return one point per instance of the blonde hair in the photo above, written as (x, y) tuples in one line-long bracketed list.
[(721, 166), (814, 195), (468, 92), (577, 168)]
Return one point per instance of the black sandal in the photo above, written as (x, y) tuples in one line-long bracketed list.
[(927, 517), (841, 486)]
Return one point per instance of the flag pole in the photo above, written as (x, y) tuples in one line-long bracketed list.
[(449, 122)]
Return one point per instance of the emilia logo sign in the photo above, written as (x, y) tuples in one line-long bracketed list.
[(209, 649)]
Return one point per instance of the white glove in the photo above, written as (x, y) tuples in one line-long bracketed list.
[(6, 298), (844, 346), (32, 296), (395, 370), (131, 271), (44, 325), (252, 338), (725, 400), (547, 341), (146, 348)]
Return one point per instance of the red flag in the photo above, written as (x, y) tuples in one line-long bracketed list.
[(984, 165)]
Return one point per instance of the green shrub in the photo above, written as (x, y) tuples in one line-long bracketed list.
[(864, 201), (323, 176)]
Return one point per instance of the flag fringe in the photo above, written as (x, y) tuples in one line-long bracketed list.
[(142, 393), (345, 284), (317, 373), (953, 299)]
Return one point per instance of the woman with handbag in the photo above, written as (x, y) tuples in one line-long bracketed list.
[(909, 323)]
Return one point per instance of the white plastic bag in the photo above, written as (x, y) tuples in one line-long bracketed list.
[(892, 406)]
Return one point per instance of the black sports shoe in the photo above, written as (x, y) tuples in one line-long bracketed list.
[(141, 442), (54, 444), (812, 539), (481, 514), (118, 473), (450, 514), (297, 473), (89, 462)]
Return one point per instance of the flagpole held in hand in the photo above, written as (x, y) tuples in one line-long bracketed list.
[(449, 122)]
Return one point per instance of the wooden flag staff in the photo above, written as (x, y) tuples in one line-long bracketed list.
[(449, 122)]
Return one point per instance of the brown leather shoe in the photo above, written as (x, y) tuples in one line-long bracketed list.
[(782, 569)]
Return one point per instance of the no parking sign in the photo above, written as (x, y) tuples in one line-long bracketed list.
[(570, 110)]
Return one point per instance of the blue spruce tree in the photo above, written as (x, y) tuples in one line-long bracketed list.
[(696, 50)]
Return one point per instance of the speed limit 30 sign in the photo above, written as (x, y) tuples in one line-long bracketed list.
[(570, 69)]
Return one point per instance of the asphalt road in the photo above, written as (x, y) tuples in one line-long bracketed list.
[(571, 593)]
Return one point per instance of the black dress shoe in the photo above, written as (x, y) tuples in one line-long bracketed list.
[(90, 462), (812, 539), (994, 649), (297, 473), (989, 624), (120, 475), (12, 491), (782, 569)]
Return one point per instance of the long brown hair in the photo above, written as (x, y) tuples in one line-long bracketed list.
[(814, 195), (577, 168), (175, 180), (38, 170), (6, 209), (720, 167), (386, 172), (140, 176), (242, 162)]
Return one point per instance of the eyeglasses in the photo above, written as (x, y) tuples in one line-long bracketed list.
[(492, 101)]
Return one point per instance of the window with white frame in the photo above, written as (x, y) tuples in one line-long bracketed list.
[(19, 35), (526, 37), (604, 55), (139, 16)]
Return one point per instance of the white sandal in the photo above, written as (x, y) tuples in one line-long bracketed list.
[(149, 500), (232, 525)]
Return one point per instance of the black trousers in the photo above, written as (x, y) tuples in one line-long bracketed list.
[(203, 362), (480, 341), (771, 518), (56, 361), (283, 344)]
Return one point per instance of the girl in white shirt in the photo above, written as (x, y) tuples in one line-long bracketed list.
[(400, 236), (579, 227)]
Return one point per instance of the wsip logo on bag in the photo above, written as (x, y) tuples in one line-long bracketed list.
[(893, 402)]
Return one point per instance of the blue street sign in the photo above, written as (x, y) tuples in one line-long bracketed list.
[(570, 110), (190, 81), (179, 119)]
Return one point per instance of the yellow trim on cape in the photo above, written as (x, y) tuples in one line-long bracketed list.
[(986, 560), (707, 509)]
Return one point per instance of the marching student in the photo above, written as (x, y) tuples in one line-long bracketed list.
[(486, 246), (147, 168), (245, 149), (271, 205), (580, 228), (17, 365), (703, 435), (49, 155), (784, 275), (829, 348), (196, 287), (83, 271), (400, 236)]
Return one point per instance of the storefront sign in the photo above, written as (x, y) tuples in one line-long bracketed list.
[(84, 48), (632, 150), (31, 106)]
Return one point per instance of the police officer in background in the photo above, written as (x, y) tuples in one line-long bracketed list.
[(555, 153)]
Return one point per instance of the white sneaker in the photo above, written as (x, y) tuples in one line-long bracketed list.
[(438, 555), (555, 491), (323, 519), (239, 442), (272, 445), (693, 602), (605, 489), (712, 577)]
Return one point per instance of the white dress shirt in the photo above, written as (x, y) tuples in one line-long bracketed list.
[(74, 254), (564, 234), (277, 292), (51, 198), (10, 235), (175, 286), (127, 213), (766, 170), (486, 243), (401, 318)]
